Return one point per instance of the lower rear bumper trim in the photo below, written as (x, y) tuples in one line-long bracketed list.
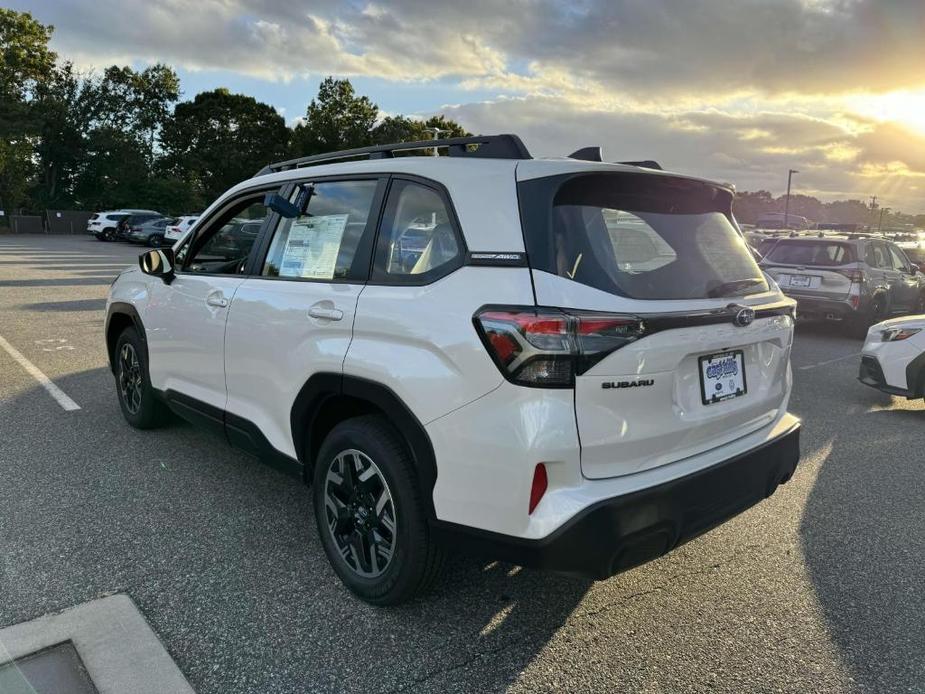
[(617, 534)]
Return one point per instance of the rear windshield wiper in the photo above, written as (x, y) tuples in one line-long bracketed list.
[(730, 288)]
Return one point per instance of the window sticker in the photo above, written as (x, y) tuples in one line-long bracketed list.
[(312, 247)]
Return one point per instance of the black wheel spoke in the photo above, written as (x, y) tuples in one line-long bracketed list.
[(360, 513)]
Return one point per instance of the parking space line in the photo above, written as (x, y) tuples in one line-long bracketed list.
[(829, 361), (54, 391)]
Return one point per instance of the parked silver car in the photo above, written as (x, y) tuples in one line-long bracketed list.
[(862, 280)]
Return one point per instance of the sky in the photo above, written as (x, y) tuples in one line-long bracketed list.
[(735, 90)]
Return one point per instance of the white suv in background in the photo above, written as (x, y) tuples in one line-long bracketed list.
[(893, 358), (562, 363), (175, 231)]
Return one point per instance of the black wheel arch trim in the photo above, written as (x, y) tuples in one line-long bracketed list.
[(323, 386), (121, 308)]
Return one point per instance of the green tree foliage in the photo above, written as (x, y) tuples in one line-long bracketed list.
[(25, 64), (336, 119), (220, 138), (402, 129)]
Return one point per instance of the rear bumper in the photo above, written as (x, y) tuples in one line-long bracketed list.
[(617, 534), (835, 309)]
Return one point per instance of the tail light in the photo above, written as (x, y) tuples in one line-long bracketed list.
[(548, 347), (856, 276)]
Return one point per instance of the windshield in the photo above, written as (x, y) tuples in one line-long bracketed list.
[(643, 237)]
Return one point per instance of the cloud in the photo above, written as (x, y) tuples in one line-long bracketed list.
[(737, 90), (599, 49), (837, 157)]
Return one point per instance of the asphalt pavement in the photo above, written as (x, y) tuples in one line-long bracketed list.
[(818, 589)]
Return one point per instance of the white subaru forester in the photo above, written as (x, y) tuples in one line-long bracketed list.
[(562, 363)]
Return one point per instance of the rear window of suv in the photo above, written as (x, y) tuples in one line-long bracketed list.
[(642, 236), (822, 253)]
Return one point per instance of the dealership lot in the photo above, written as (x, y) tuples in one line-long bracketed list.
[(817, 589)]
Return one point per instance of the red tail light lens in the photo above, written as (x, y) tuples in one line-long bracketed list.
[(549, 347), (856, 276), (539, 486)]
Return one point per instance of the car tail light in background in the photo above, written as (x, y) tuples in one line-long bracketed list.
[(548, 347), (856, 276)]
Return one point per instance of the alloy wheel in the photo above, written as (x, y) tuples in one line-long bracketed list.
[(130, 380), (360, 513)]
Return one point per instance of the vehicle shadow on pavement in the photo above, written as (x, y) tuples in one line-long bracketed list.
[(863, 535), (221, 555), (66, 306)]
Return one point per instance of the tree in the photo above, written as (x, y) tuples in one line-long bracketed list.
[(219, 139), (336, 119), (402, 129), (25, 63)]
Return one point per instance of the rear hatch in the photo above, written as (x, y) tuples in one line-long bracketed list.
[(682, 345), (823, 268)]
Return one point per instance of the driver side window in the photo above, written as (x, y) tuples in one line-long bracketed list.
[(224, 247)]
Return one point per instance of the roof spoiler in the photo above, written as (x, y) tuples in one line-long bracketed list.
[(597, 154)]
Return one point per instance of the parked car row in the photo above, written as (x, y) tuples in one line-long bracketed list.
[(139, 226)]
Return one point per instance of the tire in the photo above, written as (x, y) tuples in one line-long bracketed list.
[(140, 405), (878, 311), (155, 241), (365, 522), (919, 308), (106, 234)]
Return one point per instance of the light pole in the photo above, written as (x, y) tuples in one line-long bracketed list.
[(880, 223), (790, 173), (436, 132)]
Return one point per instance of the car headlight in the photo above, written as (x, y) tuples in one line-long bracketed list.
[(897, 334)]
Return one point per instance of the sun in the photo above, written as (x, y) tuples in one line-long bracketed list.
[(904, 107)]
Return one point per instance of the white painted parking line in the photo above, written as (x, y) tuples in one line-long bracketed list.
[(54, 391), (829, 361)]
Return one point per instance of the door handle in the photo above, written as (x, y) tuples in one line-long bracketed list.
[(325, 313), (217, 299)]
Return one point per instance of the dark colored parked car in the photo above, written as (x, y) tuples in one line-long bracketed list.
[(134, 220), (150, 233)]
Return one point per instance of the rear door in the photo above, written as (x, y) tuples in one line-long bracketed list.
[(294, 315), (904, 291), (712, 365), (819, 268)]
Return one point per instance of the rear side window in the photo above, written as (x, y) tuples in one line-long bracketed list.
[(417, 242), (822, 253), (639, 236)]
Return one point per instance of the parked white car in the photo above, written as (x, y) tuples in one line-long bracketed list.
[(562, 363), (175, 231), (893, 358)]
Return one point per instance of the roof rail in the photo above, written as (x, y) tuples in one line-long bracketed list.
[(489, 147)]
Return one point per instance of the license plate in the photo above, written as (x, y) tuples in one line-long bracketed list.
[(800, 281), (722, 376)]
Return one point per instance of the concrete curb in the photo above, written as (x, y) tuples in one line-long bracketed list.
[(120, 651)]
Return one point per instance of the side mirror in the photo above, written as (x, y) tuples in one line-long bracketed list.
[(158, 263), (914, 269)]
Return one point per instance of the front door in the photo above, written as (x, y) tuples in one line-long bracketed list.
[(185, 320)]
